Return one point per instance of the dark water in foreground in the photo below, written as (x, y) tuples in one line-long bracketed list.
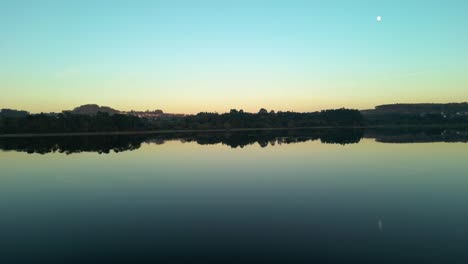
[(259, 197)]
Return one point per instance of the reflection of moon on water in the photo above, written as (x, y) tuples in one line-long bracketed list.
[(380, 225)]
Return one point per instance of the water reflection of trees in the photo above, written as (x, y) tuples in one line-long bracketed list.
[(69, 145), (272, 138), (120, 143), (114, 143), (418, 135)]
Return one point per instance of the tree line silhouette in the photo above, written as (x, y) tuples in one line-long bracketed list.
[(67, 123), (105, 122), (416, 119), (12, 122)]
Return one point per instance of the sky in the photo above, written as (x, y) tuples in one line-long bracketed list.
[(191, 56)]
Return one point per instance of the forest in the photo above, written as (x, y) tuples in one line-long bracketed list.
[(14, 122), (105, 122)]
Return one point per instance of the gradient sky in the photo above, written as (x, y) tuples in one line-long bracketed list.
[(190, 56)]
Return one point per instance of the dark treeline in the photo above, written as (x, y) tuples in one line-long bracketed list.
[(107, 144), (12, 122), (411, 119), (104, 122), (264, 119), (418, 114), (67, 123)]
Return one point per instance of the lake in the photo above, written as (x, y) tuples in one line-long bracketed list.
[(319, 196)]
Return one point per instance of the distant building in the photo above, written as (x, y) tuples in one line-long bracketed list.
[(156, 114)]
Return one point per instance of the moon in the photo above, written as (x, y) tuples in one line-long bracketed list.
[(379, 18)]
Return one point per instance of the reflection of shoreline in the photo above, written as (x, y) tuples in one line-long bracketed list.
[(417, 135), (118, 143), (112, 142), (117, 133)]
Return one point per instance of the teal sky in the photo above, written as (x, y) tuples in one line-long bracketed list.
[(190, 56)]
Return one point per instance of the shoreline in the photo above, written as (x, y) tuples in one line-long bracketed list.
[(149, 132)]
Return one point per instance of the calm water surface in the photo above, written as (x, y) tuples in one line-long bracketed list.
[(179, 201)]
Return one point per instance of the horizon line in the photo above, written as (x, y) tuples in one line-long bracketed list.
[(156, 109)]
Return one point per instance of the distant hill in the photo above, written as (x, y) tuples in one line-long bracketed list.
[(13, 113), (93, 109), (418, 109), (418, 114)]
